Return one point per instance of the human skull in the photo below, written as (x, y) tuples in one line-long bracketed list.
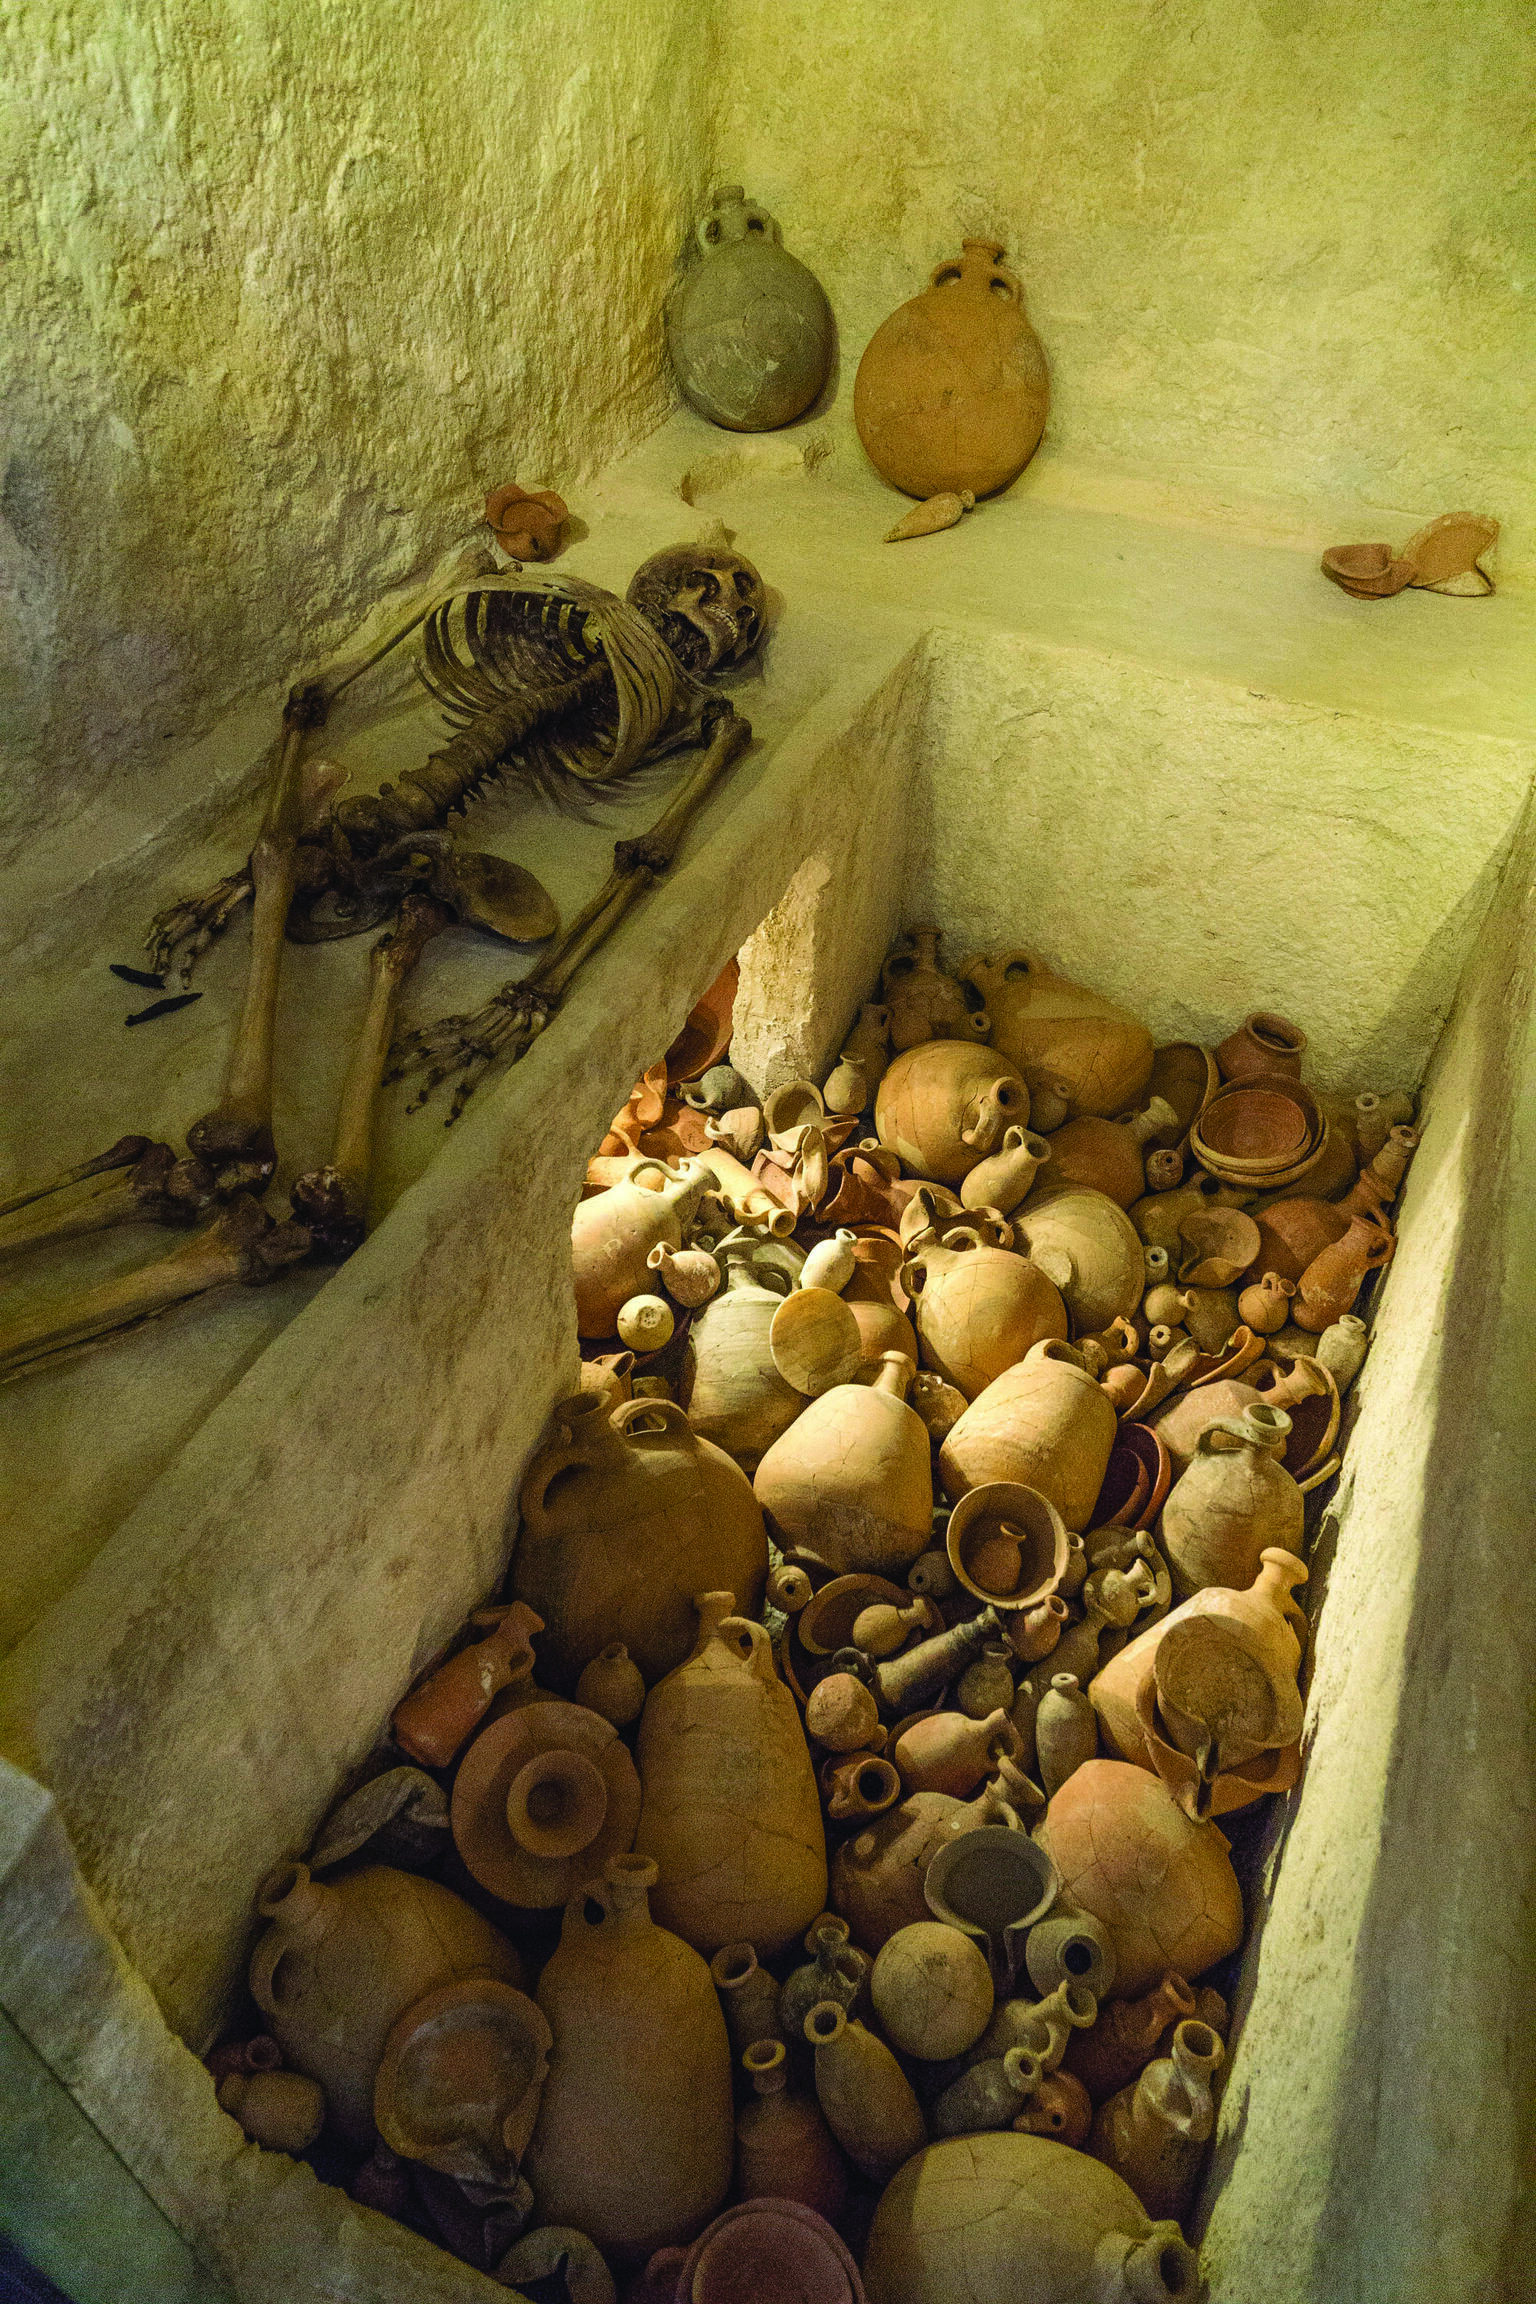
[(706, 602)]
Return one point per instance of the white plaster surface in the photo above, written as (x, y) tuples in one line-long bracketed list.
[(1279, 252), (287, 290)]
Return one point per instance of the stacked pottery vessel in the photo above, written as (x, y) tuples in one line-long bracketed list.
[(810, 1875)]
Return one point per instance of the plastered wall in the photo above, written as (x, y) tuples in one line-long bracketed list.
[(1281, 252), (288, 285)]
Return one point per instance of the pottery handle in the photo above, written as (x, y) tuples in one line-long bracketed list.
[(1239, 1428), (265, 1962), (649, 1419)]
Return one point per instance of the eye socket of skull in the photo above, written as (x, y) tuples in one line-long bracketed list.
[(707, 604)]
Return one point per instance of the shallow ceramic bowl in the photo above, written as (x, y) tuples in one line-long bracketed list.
[(1258, 1126)]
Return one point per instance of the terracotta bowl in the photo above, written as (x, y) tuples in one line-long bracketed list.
[(1257, 1130), (773, 2251), (1220, 1244), (1137, 1496), (977, 1524)]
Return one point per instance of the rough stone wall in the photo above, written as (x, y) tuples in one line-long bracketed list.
[(1279, 251), (288, 288)]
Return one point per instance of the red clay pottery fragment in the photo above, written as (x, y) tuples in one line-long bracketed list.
[(952, 390), (528, 524), (435, 1718), (341, 1960), (459, 2083), (1442, 557), (625, 1516), (749, 329), (633, 2142), (946, 1105), (866, 2097), (1162, 1885), (1066, 1041), (731, 1814), (543, 1798), (1010, 2219)]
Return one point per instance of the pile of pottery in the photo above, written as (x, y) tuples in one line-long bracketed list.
[(897, 1612)]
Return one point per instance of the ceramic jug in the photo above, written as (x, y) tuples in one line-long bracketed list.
[(978, 1309), (1002, 2218), (1262, 1043), (1043, 1424), (612, 1685), (436, 1718), (624, 1518), (1106, 1155), (866, 2097), (1235, 1499), (923, 1001), (749, 1995), (952, 390), (1341, 1349), (946, 1752), (836, 1971), (1104, 1260), (1153, 2132), (931, 1988), (1066, 1731), (341, 1959), (1073, 1042), (1115, 2050), (1161, 1884), (749, 330), (731, 1389), (945, 1106), (1333, 1279), (784, 2148), (633, 2142), (849, 1484), (731, 1814), (1004, 1179), (613, 1233)]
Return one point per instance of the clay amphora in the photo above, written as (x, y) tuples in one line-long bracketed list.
[(849, 1484), (1002, 2218), (1161, 1884), (1341, 1349), (1262, 1043), (932, 1990), (435, 1718), (633, 2143), (1153, 2132), (1066, 1731), (836, 1971), (1105, 1264), (1043, 1424), (613, 1233), (863, 2092), (1106, 1155), (748, 1995), (624, 1518), (946, 1752), (343, 1959), (731, 1813), (952, 390), (877, 1874), (923, 1001), (945, 1106), (543, 1797), (990, 2095), (749, 330), (1235, 1499), (612, 1685), (281, 2111), (1094, 1056), (784, 2148), (1003, 1180), (1115, 2050), (978, 1309), (1333, 1279), (733, 1393)]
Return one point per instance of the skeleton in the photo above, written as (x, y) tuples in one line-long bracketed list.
[(546, 680)]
